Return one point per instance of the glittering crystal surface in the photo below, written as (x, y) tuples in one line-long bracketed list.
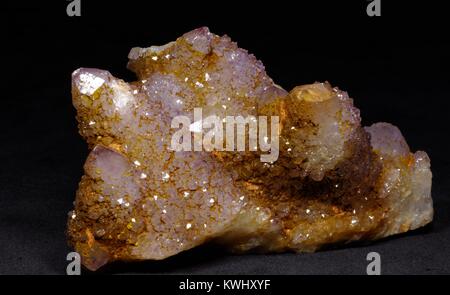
[(334, 181)]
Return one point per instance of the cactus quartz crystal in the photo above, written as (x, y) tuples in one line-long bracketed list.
[(334, 181)]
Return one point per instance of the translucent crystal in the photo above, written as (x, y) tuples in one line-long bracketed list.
[(333, 182)]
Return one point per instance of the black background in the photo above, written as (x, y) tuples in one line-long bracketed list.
[(394, 66)]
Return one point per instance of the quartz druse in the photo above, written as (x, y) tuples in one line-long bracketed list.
[(333, 182)]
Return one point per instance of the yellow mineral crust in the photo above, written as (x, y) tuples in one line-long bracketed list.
[(334, 181)]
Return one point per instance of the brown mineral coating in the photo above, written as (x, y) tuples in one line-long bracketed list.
[(334, 181)]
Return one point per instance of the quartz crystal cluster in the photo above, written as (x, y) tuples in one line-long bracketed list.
[(334, 181)]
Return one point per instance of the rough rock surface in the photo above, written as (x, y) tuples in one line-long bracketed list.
[(334, 181)]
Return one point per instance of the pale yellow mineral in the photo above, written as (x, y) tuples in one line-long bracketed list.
[(333, 181)]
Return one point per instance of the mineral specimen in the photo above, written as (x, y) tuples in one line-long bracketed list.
[(333, 181)]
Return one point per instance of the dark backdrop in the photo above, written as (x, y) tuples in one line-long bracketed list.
[(394, 66)]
